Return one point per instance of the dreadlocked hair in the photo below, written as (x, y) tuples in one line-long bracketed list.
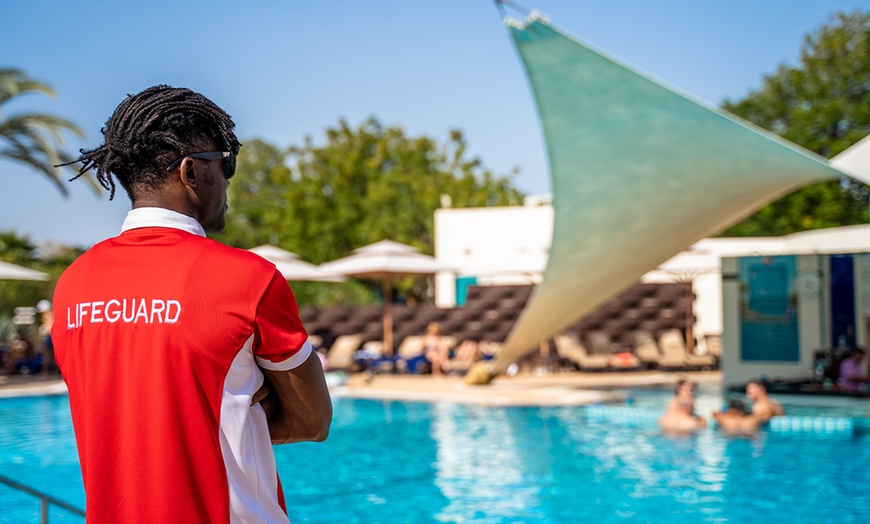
[(150, 130)]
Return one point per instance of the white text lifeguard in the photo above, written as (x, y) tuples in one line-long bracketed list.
[(126, 310)]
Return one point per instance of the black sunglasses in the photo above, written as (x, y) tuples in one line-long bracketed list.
[(229, 163)]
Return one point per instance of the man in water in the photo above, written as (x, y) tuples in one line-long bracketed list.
[(763, 409), (185, 359), (680, 416)]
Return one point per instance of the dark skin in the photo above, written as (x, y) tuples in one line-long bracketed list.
[(296, 402)]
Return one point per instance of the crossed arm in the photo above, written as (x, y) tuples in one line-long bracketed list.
[(297, 403)]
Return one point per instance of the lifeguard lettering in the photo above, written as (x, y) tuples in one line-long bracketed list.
[(125, 310)]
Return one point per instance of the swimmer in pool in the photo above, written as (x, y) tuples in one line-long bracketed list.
[(680, 416), (763, 409)]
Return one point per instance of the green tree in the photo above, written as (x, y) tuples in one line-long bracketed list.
[(363, 185), (18, 249), (823, 104), (33, 138)]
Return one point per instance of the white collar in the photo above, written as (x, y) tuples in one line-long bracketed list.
[(161, 217)]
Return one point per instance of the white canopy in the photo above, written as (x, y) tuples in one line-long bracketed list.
[(639, 173), (12, 272), (294, 268), (384, 261)]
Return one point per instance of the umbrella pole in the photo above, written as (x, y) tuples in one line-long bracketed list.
[(690, 320), (387, 288)]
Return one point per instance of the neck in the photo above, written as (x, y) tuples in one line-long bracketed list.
[(170, 200)]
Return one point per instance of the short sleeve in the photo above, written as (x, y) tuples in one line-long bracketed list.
[(280, 342)]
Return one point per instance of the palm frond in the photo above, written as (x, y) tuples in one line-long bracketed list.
[(25, 156), (15, 82), (33, 138)]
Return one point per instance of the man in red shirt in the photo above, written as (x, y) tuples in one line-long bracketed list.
[(185, 359)]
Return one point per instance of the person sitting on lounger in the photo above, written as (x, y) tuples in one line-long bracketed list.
[(851, 376), (434, 350), (680, 416), (763, 409), (468, 351)]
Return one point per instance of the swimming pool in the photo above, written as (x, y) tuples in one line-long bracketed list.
[(392, 462)]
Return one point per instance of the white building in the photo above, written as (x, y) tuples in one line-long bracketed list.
[(509, 246)]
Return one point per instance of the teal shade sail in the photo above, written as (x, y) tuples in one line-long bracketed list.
[(639, 173)]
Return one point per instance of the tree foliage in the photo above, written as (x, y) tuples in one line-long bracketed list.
[(33, 138), (823, 104), (18, 249), (363, 185)]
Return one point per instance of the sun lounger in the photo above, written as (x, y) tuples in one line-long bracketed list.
[(714, 345), (340, 355), (620, 358), (675, 355), (646, 349), (569, 348)]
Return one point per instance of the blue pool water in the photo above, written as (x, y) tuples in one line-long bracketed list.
[(397, 462)]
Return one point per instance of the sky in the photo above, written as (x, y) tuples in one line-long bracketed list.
[(287, 69)]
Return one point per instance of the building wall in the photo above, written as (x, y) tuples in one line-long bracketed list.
[(510, 245), (707, 308), (813, 317), (862, 299), (498, 245)]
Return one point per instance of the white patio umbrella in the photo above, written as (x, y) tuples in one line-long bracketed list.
[(384, 262), (12, 272), (683, 269), (685, 265), (294, 268)]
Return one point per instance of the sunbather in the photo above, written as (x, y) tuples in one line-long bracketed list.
[(434, 350)]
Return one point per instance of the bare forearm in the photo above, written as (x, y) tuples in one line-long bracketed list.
[(301, 409)]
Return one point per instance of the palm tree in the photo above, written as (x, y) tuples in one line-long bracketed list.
[(33, 138)]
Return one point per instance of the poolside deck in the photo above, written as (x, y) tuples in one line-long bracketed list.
[(530, 389), (31, 386), (525, 389)]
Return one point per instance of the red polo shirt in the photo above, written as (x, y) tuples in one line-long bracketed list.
[(159, 335)]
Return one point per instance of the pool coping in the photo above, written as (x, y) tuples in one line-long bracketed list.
[(525, 389), (546, 389)]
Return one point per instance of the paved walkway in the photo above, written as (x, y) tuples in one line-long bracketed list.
[(31, 386), (553, 389)]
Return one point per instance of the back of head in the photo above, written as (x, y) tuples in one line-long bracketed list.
[(678, 385), (149, 131), (735, 405)]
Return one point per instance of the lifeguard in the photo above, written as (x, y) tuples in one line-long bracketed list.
[(185, 359)]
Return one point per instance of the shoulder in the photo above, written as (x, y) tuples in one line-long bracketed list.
[(238, 269), (234, 255), (83, 261), (777, 408), (766, 409)]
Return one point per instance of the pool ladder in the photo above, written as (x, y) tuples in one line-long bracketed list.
[(44, 499)]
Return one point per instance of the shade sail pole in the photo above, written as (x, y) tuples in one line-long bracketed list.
[(639, 173)]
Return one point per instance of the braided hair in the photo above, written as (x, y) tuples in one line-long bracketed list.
[(150, 130)]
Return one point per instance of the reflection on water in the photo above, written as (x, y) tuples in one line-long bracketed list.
[(482, 455), (549, 465), (398, 462)]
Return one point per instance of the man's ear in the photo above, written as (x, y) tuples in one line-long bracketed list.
[(187, 173)]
